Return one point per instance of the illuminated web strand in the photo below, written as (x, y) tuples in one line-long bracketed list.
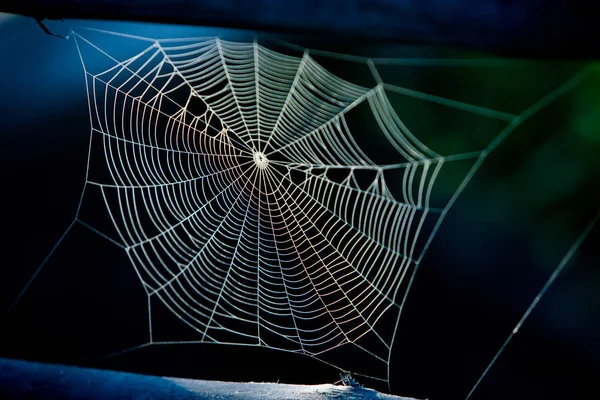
[(557, 271)]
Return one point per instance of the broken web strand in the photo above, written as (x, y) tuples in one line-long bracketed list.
[(253, 125)]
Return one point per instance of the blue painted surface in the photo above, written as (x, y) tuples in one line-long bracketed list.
[(22, 379)]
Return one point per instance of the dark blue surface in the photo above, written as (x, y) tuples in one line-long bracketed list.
[(28, 380)]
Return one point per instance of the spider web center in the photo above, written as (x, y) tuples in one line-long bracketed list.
[(261, 160)]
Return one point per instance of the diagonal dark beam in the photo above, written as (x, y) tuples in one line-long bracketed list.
[(530, 28)]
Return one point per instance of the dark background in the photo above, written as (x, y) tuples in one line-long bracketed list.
[(498, 245), (537, 28)]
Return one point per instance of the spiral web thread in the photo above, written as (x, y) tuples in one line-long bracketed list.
[(237, 190)]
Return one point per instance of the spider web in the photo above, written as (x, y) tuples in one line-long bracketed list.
[(251, 204)]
